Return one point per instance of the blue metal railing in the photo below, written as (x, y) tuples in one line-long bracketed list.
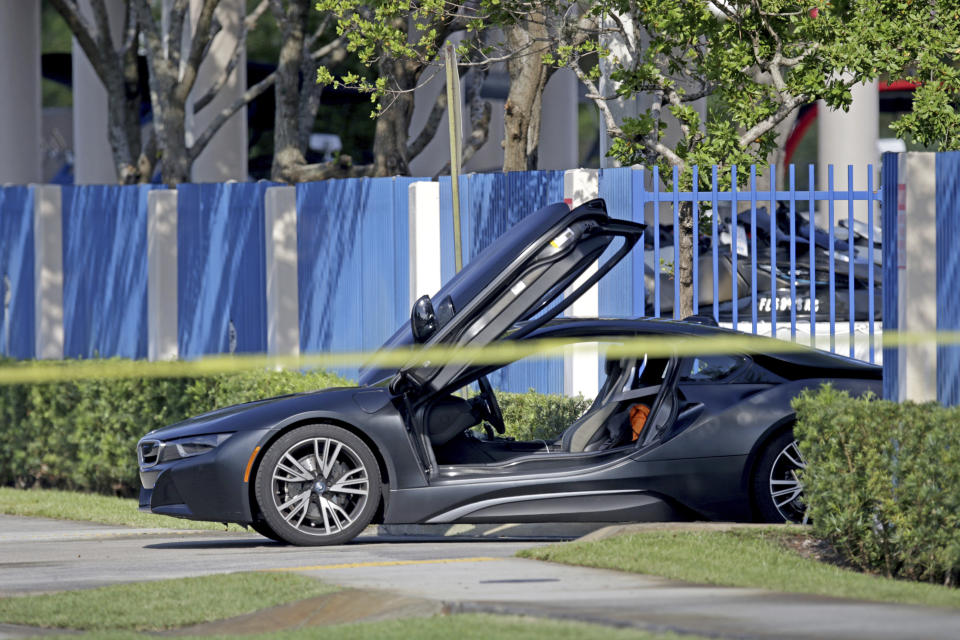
[(770, 218)]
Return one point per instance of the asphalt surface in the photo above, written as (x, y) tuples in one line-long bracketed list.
[(38, 555)]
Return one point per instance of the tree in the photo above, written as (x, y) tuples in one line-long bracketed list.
[(117, 68), (401, 42), (920, 42), (757, 61), (173, 73), (298, 93), (526, 40)]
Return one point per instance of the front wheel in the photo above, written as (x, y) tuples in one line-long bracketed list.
[(264, 529), (777, 491), (318, 485)]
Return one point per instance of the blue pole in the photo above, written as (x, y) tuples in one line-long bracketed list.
[(696, 241), (656, 242), (833, 310), (811, 211), (773, 250), (870, 283), (639, 194), (851, 253), (733, 245), (676, 243), (713, 242), (793, 254)]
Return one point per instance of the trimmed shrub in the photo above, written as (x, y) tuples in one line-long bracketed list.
[(883, 482), (539, 416), (82, 435)]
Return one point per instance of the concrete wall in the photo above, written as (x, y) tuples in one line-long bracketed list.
[(20, 94)]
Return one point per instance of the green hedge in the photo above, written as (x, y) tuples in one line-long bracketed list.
[(539, 416), (82, 435), (883, 482)]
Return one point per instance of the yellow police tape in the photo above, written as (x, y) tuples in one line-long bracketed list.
[(39, 371)]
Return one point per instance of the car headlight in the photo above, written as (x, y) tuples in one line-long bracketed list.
[(191, 446)]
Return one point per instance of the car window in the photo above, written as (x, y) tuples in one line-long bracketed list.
[(711, 368)]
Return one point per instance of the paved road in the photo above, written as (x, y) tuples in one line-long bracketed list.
[(41, 555)]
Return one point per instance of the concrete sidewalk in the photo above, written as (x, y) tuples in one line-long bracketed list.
[(392, 574), (529, 587)]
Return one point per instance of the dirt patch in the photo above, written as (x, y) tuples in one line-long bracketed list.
[(816, 549), (342, 607)]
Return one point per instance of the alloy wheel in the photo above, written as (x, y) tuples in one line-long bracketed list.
[(785, 487), (320, 486)]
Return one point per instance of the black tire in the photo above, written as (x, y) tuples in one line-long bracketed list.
[(330, 505), (777, 493), (264, 529)]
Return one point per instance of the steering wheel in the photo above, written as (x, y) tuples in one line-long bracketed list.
[(494, 415)]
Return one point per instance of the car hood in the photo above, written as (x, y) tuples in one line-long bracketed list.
[(527, 274), (257, 414)]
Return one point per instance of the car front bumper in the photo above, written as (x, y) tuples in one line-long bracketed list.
[(212, 486)]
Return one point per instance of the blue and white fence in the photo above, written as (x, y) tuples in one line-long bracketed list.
[(352, 262), (921, 226)]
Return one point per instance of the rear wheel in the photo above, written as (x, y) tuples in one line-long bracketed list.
[(777, 491), (318, 485)]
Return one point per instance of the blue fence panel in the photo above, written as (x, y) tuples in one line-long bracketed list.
[(615, 186), (221, 298), (491, 203), (105, 271), (948, 274), (353, 263), (17, 318)]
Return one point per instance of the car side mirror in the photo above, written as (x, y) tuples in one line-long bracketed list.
[(423, 321)]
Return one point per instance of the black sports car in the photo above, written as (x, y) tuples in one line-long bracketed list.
[(666, 438)]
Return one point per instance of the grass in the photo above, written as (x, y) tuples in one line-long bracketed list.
[(461, 627), (89, 507), (161, 605), (757, 558)]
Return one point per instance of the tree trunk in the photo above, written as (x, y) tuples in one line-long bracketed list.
[(393, 124), (117, 70), (172, 141), (288, 147), (683, 268), (528, 77), (123, 131)]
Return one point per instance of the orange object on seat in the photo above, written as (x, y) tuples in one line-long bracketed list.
[(638, 418)]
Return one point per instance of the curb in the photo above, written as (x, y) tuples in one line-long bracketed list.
[(498, 531)]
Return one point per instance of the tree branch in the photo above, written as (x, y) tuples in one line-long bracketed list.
[(201, 37), (173, 38), (103, 25), (221, 118), (340, 167), (613, 130), (430, 127), (154, 49), (248, 23), (772, 120), (83, 31), (311, 40), (129, 31)]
